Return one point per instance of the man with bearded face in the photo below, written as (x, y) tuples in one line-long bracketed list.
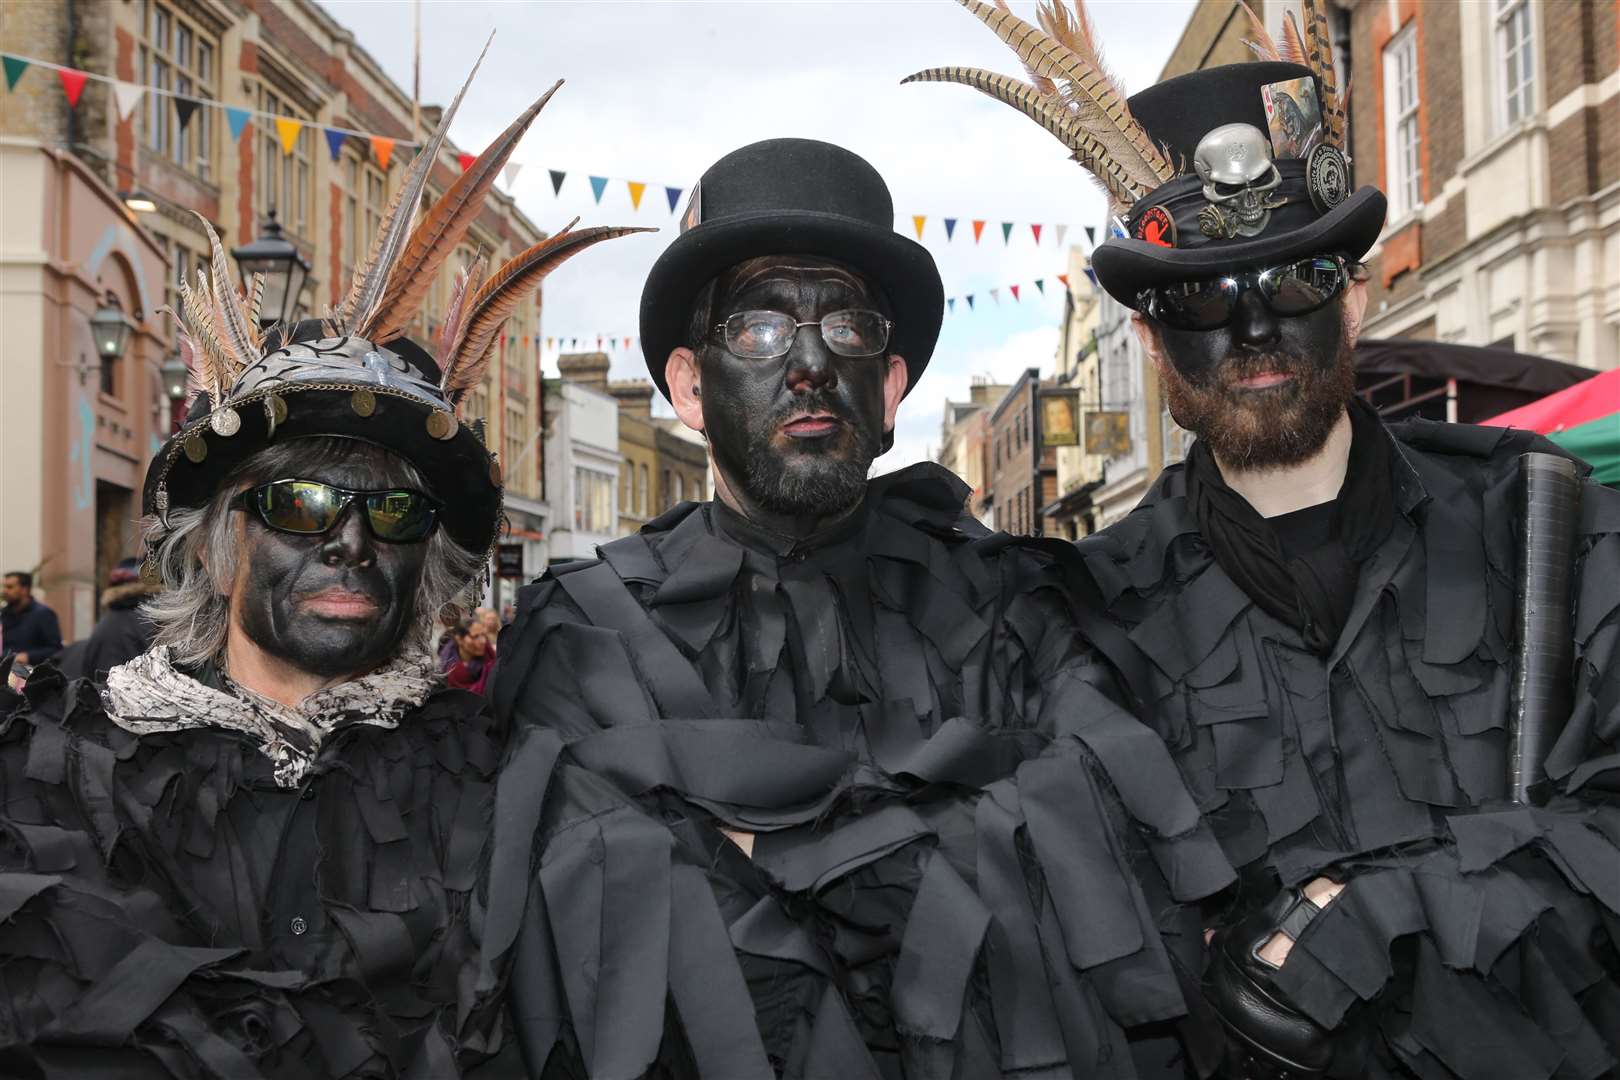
[(1316, 613), (256, 849), (829, 789)]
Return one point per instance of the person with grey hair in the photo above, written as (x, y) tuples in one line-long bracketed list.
[(255, 850)]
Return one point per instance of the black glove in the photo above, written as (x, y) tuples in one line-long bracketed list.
[(1269, 1039)]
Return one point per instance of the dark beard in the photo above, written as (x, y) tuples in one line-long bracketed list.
[(818, 482), (1265, 429)]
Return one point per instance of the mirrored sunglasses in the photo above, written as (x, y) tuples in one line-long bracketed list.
[(766, 335), (1295, 288), (310, 508)]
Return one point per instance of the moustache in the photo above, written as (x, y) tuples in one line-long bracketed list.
[(816, 401)]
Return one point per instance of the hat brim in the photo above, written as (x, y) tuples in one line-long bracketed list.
[(1126, 266), (902, 268)]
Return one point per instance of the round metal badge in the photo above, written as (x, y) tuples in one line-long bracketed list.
[(1155, 226), (494, 470), (441, 425), (225, 421), (1328, 176), (196, 449), (363, 402)]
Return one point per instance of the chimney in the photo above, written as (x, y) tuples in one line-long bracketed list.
[(635, 397), (587, 369)]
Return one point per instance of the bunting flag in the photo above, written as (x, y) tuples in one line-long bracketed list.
[(950, 227), (548, 343), (15, 66), (995, 294), (510, 173), (126, 96), (72, 84), (1014, 289), (466, 160), (1036, 229), (1062, 230), (673, 194), (382, 149), (950, 304), (1091, 235), (287, 130), (557, 177), (978, 230), (1092, 274), (637, 189), (334, 142), (1006, 232), (598, 185), (969, 299), (184, 110), (917, 221), (573, 343), (1040, 285), (238, 120), (598, 342), (1065, 279), (627, 343)]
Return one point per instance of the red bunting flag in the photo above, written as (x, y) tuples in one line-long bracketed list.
[(72, 84), (1036, 229), (627, 343), (466, 160), (1014, 291), (978, 229)]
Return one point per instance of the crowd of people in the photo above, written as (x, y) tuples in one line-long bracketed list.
[(30, 630), (467, 646)]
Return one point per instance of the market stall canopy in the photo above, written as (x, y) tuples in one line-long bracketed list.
[(1583, 419), (1405, 377)]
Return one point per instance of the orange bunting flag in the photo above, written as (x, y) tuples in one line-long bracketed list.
[(72, 84), (382, 149), (978, 228), (1036, 229), (287, 129), (1065, 279), (917, 220), (637, 188), (1014, 289)]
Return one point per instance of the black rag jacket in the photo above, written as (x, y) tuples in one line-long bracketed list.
[(1475, 938)]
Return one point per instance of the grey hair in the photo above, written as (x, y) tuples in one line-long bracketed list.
[(196, 551)]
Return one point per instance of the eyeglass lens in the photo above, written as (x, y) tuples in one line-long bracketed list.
[(765, 335), (309, 508), (1293, 289)]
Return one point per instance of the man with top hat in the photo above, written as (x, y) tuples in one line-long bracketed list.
[(1340, 626), (255, 849), (831, 790)]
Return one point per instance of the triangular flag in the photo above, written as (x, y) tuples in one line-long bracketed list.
[(548, 343), (382, 149), (1065, 279), (637, 188), (1040, 284), (1092, 274), (287, 130), (1014, 289), (573, 343), (1091, 235), (15, 66), (627, 343), (184, 109), (969, 299), (334, 142), (978, 228), (950, 227), (673, 194), (126, 96), (1006, 232), (466, 160), (238, 119), (1061, 231), (598, 342), (1036, 229), (510, 173), (917, 221), (557, 177), (598, 185), (995, 294), (72, 84), (950, 304)]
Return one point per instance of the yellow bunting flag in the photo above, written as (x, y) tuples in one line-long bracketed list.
[(917, 220), (383, 149), (288, 128), (636, 189)]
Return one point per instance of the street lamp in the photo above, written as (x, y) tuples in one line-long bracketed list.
[(284, 270), (175, 375), (110, 329)]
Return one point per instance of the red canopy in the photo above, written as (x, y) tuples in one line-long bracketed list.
[(1582, 403)]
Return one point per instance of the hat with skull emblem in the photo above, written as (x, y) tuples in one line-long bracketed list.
[(356, 374), (1223, 169)]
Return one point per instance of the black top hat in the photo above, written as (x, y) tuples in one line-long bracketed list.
[(792, 197), (1177, 233)]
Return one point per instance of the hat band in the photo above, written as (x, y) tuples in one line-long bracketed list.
[(1182, 215)]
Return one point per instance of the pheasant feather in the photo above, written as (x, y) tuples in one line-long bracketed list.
[(1319, 58), (465, 287), (441, 229), (231, 324)]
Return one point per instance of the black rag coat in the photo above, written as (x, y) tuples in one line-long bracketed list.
[(961, 842), (1476, 938), (168, 910)]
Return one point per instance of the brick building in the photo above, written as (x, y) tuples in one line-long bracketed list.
[(282, 57), (964, 438), (1022, 475)]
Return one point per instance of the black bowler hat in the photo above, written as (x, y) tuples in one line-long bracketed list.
[(792, 197), (1172, 234)]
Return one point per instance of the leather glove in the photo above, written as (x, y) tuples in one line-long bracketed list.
[(1268, 1038)]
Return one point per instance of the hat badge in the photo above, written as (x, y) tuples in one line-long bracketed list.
[(1234, 162)]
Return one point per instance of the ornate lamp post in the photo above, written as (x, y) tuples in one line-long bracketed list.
[(284, 270)]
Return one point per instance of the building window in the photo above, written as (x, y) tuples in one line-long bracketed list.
[(1515, 59), (284, 179), (177, 55), (1401, 124), (593, 501), (641, 491)]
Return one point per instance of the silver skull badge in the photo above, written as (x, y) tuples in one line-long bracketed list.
[(1234, 162)]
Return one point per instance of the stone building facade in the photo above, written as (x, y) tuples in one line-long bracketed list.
[(1023, 476), (964, 438), (1077, 371), (287, 58)]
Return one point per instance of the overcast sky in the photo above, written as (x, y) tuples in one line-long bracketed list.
[(656, 92)]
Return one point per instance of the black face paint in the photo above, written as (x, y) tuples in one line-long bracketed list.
[(335, 604), (1264, 391), (796, 435)]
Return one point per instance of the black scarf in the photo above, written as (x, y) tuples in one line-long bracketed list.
[(1247, 548)]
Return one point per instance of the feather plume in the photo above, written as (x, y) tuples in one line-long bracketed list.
[(441, 229), (1076, 32), (1293, 46), (255, 300), (1041, 83), (517, 278), (232, 327), (465, 287), (370, 283), (1319, 58), (1261, 43)]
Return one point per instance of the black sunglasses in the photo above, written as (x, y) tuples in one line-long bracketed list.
[(1295, 288), (310, 508)]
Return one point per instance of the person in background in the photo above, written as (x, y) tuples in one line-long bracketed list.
[(473, 659), (124, 631), (27, 627)]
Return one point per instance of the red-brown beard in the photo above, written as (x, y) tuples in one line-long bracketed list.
[(1264, 429)]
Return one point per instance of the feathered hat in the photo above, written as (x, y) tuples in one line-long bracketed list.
[(1220, 169), (354, 374)]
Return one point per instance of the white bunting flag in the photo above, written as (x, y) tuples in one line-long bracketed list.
[(510, 175), (127, 96), (1061, 231)]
